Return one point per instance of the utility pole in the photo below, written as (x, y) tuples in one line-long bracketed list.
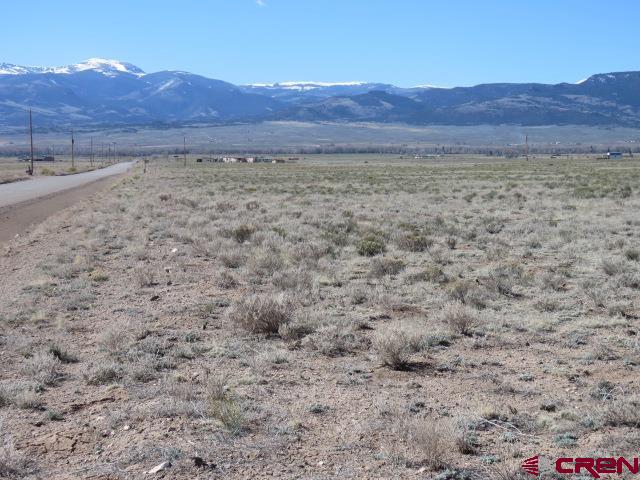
[(73, 141), (184, 150), (115, 156), (31, 139), (91, 152), (102, 152)]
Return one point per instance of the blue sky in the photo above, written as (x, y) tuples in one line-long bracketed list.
[(410, 42)]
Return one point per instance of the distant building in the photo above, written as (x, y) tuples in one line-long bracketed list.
[(612, 155), (244, 160), (46, 158)]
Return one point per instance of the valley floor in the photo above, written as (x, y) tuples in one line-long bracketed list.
[(376, 318)]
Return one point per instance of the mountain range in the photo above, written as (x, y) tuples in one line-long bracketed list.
[(101, 92)]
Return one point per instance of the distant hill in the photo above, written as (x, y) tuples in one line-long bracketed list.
[(114, 93), (110, 92)]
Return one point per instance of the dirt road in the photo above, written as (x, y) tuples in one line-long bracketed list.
[(23, 204), (18, 192)]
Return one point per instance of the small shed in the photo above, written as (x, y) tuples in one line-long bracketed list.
[(614, 155)]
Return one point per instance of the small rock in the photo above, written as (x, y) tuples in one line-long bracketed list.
[(155, 298), (318, 408), (201, 463), (127, 427), (159, 468)]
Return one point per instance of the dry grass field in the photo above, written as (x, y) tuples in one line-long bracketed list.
[(347, 317)]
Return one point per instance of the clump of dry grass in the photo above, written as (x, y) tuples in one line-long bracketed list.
[(21, 394), (295, 331), (227, 280), (231, 258), (115, 339), (466, 439), (358, 294), (395, 346), (505, 471), (413, 241), (431, 273), (145, 276), (242, 233), (613, 267), (459, 318), (300, 280), (504, 278), (265, 263), (252, 205), (5, 397), (623, 412), (104, 374), (552, 281), (335, 339), (98, 275), (224, 407), (62, 355), (12, 463), (381, 267), (43, 368), (370, 246), (632, 254), (493, 225), (428, 441), (261, 313), (469, 293)]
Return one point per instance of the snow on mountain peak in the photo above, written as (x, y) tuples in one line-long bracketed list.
[(11, 69), (429, 87), (100, 65), (305, 85), (103, 65)]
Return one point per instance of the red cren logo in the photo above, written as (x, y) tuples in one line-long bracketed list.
[(595, 467), (530, 465)]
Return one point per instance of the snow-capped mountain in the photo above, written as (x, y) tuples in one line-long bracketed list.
[(100, 65), (110, 92), (99, 91), (294, 92), (304, 85)]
